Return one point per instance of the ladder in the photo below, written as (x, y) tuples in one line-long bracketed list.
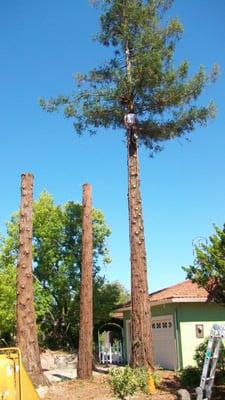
[(215, 343)]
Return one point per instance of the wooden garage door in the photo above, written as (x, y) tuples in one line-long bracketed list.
[(164, 348)]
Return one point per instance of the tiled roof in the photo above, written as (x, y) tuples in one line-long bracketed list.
[(186, 291)]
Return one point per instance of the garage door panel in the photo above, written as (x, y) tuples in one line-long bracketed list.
[(164, 350)]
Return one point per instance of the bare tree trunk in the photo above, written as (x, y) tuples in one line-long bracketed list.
[(85, 352), (26, 330), (141, 346)]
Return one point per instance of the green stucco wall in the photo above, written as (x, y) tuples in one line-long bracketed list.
[(191, 315), (185, 316)]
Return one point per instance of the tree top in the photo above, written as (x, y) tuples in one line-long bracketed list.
[(141, 75)]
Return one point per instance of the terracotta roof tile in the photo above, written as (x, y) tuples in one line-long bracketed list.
[(184, 290)]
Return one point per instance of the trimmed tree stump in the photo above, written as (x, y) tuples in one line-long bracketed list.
[(85, 356), (26, 329)]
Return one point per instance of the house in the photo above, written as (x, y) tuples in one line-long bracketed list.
[(182, 316)]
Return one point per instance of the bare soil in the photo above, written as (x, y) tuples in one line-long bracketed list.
[(60, 368), (98, 389)]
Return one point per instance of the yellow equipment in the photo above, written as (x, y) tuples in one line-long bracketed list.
[(15, 383)]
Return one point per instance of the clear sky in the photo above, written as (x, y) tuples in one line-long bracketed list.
[(42, 43)]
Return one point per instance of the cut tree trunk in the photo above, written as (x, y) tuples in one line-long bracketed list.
[(85, 356), (26, 329), (141, 338)]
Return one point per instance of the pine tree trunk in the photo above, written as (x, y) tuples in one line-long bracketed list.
[(141, 342), (85, 357), (26, 330)]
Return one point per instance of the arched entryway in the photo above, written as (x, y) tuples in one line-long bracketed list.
[(110, 343)]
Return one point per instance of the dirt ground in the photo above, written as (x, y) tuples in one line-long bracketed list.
[(60, 368), (99, 389)]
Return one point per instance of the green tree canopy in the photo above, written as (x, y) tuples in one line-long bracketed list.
[(141, 75), (107, 294), (208, 269), (57, 232)]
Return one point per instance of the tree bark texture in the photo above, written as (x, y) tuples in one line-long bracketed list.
[(85, 357), (141, 344), (26, 329)]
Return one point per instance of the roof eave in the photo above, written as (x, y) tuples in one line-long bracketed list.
[(179, 300), (171, 300)]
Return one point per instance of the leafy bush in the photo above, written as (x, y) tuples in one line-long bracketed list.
[(200, 356), (123, 381), (126, 381), (190, 376), (142, 379)]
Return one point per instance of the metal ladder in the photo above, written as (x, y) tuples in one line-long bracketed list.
[(215, 343)]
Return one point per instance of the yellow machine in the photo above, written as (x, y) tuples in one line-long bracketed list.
[(15, 383)]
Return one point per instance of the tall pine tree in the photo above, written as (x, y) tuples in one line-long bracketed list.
[(139, 80)]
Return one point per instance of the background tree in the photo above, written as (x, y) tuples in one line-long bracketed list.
[(107, 296), (208, 270), (57, 255), (140, 78), (7, 305), (57, 261)]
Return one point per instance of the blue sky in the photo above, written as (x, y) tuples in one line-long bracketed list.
[(42, 44)]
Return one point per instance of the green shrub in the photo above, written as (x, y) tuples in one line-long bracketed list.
[(200, 356), (190, 376), (142, 379), (123, 381), (126, 381), (220, 378)]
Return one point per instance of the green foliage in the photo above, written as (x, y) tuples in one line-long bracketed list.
[(220, 368), (162, 95), (142, 376), (57, 234), (106, 295), (8, 259), (123, 381), (208, 269), (199, 356), (190, 376), (7, 302), (127, 381)]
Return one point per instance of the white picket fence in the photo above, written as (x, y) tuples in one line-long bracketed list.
[(111, 354)]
